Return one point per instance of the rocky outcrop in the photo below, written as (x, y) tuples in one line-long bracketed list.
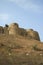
[(1, 30), (6, 31), (22, 32), (33, 34), (14, 29)]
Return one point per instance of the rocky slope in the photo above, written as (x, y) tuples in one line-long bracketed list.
[(18, 50)]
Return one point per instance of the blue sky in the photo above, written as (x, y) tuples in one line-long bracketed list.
[(27, 13)]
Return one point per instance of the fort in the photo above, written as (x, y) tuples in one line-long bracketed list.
[(14, 29)]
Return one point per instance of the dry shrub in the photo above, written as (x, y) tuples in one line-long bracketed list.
[(6, 25)]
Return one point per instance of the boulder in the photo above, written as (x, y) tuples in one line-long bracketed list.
[(33, 34), (13, 28)]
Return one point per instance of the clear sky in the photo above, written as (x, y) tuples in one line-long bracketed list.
[(27, 13)]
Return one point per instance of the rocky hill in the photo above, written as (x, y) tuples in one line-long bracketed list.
[(14, 29), (19, 46)]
